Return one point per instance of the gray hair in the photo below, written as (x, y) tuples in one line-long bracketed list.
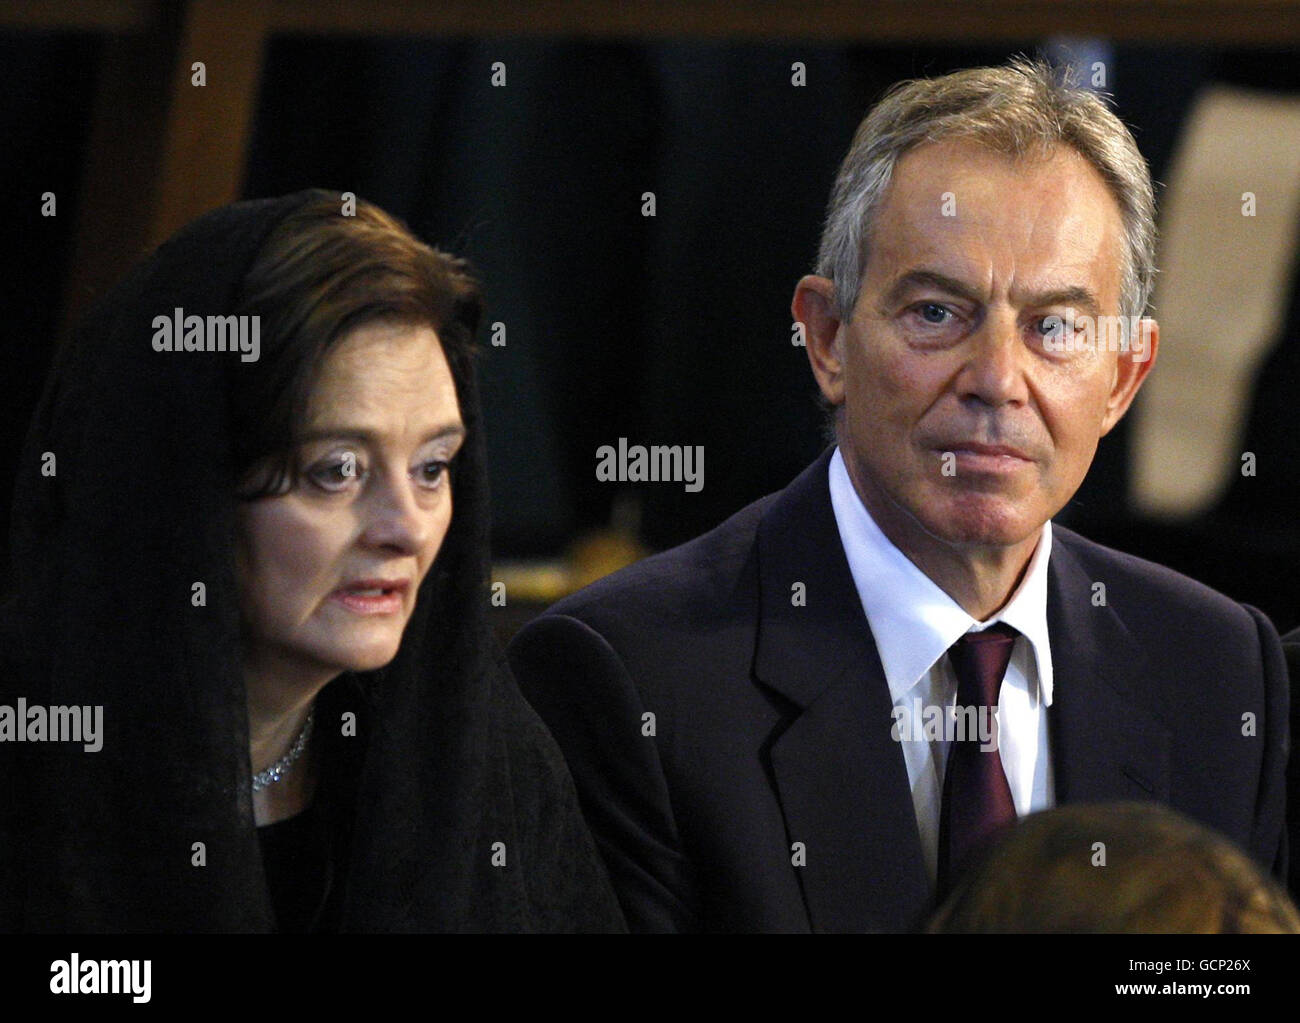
[(1019, 109)]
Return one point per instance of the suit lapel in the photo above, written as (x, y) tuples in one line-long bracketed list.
[(840, 777), (1105, 744)]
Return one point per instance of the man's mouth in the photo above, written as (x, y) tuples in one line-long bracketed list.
[(995, 450), (970, 457)]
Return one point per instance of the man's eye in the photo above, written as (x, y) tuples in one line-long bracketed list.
[(431, 474), (932, 312)]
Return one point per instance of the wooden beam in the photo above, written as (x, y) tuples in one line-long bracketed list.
[(1272, 23), (163, 150), (208, 126), (1222, 22), (119, 181), (120, 16)]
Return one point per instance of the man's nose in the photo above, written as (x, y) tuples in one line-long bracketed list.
[(994, 371), (394, 518)]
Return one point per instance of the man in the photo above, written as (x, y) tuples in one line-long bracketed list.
[(763, 723)]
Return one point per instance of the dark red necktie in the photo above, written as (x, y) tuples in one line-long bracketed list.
[(976, 797)]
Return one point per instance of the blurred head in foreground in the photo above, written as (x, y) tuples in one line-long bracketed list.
[(1137, 868)]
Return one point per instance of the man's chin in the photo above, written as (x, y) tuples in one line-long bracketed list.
[(978, 524)]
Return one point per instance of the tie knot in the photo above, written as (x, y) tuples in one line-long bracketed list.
[(980, 661)]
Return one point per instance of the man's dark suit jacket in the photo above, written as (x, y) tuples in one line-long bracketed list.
[(747, 654), (1291, 646)]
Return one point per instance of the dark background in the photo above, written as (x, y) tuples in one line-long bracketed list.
[(666, 330)]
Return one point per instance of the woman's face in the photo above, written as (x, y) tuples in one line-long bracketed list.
[(330, 570)]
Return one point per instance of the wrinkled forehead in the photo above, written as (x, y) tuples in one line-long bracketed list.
[(978, 213)]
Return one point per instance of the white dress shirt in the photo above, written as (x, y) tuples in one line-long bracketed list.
[(914, 623)]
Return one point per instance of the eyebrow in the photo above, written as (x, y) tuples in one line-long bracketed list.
[(1073, 295), (449, 430)]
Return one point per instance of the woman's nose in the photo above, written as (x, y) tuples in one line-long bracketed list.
[(394, 517)]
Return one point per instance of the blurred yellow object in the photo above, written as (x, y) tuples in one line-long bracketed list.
[(591, 557), (596, 555)]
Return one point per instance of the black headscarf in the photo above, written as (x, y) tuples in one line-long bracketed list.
[(452, 771)]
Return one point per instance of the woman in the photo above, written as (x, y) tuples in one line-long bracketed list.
[(234, 533)]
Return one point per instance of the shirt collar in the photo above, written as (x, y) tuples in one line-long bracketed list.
[(912, 620)]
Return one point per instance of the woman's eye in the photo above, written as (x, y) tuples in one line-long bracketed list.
[(335, 473), (431, 474)]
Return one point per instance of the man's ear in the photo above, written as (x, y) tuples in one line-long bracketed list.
[(814, 306), (1131, 368)]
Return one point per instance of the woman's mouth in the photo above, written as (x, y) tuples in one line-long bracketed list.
[(372, 596)]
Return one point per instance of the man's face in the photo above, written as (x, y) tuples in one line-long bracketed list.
[(963, 422)]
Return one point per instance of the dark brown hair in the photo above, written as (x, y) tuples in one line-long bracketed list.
[(1134, 868), (320, 274)]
